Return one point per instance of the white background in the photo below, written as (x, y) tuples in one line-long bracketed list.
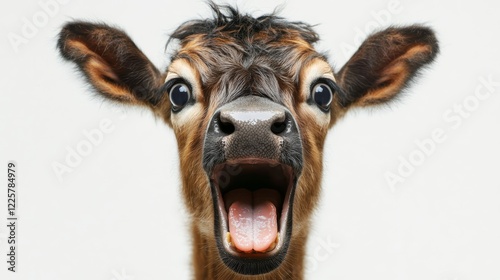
[(118, 214)]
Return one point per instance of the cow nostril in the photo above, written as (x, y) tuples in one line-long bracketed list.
[(226, 127), (278, 127)]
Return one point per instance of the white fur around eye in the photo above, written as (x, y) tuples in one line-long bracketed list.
[(191, 112), (312, 72), (189, 115)]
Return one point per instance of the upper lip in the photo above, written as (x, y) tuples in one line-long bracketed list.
[(252, 174)]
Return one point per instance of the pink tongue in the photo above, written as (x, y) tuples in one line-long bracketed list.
[(252, 217), (240, 216)]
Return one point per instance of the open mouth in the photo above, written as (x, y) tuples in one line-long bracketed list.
[(253, 201)]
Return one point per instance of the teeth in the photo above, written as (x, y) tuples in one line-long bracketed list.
[(273, 245), (228, 238)]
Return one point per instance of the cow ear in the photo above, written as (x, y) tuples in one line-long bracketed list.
[(386, 63), (111, 62)]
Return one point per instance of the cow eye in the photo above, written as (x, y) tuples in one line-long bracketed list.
[(179, 95), (322, 94)]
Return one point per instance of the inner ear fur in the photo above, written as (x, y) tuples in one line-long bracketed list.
[(386, 63), (111, 62)]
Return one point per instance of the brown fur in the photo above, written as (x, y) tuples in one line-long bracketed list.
[(235, 55)]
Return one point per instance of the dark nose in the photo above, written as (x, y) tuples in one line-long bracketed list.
[(252, 127), (259, 120)]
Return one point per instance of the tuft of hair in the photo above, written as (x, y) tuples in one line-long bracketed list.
[(228, 21)]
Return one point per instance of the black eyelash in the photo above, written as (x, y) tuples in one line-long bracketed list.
[(168, 85), (335, 88)]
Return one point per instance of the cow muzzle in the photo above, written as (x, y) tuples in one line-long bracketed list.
[(253, 157)]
